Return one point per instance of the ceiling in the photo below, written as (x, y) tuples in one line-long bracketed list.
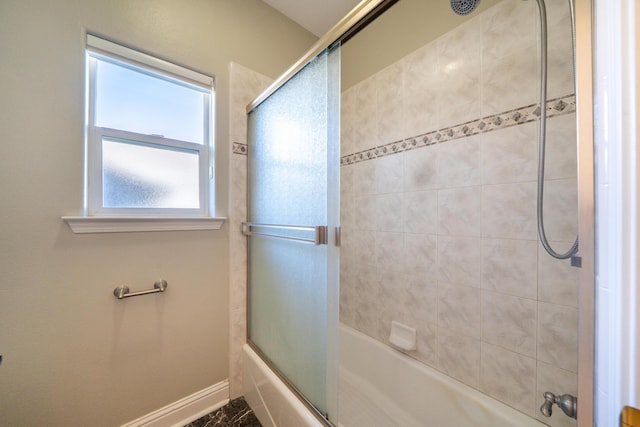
[(316, 16)]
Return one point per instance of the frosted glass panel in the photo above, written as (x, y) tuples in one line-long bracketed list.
[(144, 176), (288, 153), (289, 298), (140, 102)]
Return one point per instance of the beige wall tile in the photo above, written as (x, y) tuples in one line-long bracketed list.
[(413, 300), (420, 95), (558, 336), (390, 251), (421, 212), (459, 162), (348, 113), (371, 314), (365, 130), (421, 169), (388, 174), (558, 15), (510, 155), (390, 103), (388, 212), (561, 209), (364, 178), (507, 27), (459, 309), (509, 377), (509, 211), (511, 81), (365, 212), (560, 54), (459, 62), (362, 244), (421, 254), (560, 153), (420, 301), (348, 295), (509, 58), (426, 345), (347, 211), (557, 279), (458, 211), (510, 267), (509, 322), (346, 181), (459, 260), (459, 357)]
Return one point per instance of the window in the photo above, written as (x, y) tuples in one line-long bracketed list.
[(149, 135)]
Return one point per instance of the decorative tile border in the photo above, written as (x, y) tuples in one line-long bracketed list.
[(239, 148), (527, 114)]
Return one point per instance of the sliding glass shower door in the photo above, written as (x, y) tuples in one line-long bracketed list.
[(292, 214)]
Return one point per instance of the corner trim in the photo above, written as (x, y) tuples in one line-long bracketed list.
[(186, 410), (92, 224)]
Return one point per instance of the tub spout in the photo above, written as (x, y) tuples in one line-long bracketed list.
[(566, 402), (549, 400)]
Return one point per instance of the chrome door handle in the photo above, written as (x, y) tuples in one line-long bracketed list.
[(319, 231)]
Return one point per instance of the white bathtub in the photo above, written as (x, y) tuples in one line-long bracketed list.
[(379, 387)]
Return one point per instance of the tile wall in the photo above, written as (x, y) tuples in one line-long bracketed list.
[(438, 196), (245, 86)]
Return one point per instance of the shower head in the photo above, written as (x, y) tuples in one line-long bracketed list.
[(464, 7)]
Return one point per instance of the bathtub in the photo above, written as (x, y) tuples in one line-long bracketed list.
[(378, 387)]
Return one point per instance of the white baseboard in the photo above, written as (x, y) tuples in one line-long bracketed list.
[(185, 410)]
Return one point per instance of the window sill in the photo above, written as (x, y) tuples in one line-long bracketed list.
[(93, 224)]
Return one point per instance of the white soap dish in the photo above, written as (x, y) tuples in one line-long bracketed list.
[(402, 336)]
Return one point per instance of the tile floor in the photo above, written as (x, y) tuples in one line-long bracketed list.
[(234, 414)]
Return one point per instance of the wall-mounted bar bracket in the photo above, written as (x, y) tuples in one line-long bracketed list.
[(576, 261), (122, 291)]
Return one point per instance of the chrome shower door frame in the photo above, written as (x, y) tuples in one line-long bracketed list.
[(586, 210)]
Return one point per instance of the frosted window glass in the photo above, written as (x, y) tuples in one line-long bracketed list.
[(146, 176), (139, 102)]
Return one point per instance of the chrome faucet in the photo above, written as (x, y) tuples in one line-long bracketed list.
[(566, 402)]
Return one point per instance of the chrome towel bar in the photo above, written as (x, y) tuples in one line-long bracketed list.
[(319, 238), (123, 291)]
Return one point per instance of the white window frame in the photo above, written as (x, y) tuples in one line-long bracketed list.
[(101, 49)]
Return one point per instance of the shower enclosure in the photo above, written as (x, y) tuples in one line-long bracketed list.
[(293, 261), (437, 185)]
